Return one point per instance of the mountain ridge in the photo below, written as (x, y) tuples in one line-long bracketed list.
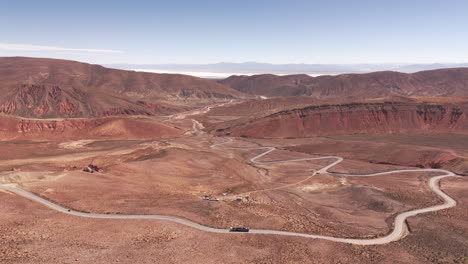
[(441, 82), (41, 87)]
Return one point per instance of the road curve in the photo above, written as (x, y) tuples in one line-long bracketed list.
[(398, 232), (400, 229)]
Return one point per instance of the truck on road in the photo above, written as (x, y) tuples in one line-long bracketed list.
[(238, 229)]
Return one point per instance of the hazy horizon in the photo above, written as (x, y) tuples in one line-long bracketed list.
[(225, 69)]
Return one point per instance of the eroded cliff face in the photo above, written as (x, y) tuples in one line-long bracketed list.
[(51, 101), (356, 118), (115, 128)]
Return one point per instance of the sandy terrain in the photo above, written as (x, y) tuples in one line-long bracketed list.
[(44, 236), (169, 176)]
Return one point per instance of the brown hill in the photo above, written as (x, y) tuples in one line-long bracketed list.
[(404, 115), (33, 87), (443, 82), (85, 128)]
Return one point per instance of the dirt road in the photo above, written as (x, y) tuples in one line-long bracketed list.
[(399, 231)]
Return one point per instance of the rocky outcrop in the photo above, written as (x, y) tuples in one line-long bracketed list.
[(99, 128), (48, 101), (354, 118)]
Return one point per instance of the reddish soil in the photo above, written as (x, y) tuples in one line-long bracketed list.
[(185, 173), (383, 153), (148, 164), (45, 236), (169, 176), (93, 128)]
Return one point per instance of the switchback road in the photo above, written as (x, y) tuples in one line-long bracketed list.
[(398, 232)]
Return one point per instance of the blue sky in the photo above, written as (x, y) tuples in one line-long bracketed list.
[(208, 31)]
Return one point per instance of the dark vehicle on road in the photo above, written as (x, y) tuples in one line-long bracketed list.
[(238, 229)]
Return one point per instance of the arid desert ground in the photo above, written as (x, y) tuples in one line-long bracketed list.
[(127, 167)]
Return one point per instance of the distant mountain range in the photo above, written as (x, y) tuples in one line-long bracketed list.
[(50, 88), (451, 82), (225, 69)]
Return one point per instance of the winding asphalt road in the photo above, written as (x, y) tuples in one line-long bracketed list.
[(398, 232)]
